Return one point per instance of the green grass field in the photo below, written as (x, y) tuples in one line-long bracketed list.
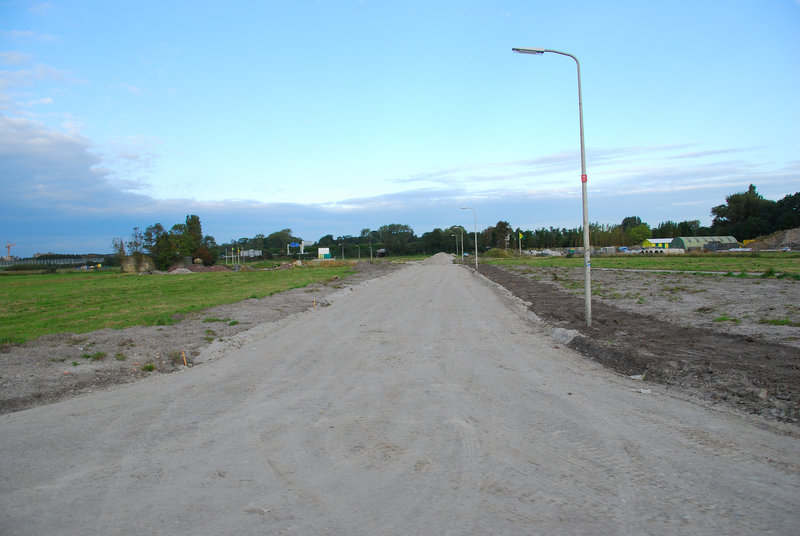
[(778, 262), (35, 305)]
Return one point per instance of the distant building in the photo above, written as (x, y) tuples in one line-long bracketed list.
[(660, 243), (713, 243)]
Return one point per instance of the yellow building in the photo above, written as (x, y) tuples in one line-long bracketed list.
[(659, 243)]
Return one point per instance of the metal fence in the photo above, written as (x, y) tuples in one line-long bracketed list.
[(58, 262)]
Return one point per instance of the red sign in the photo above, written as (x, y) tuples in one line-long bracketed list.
[(583, 178)]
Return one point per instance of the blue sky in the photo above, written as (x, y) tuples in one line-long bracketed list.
[(334, 116)]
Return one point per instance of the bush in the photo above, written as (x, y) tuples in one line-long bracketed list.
[(497, 253), (204, 255)]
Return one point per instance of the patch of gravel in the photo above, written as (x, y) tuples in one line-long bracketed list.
[(439, 258)]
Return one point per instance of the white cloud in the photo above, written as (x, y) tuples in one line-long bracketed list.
[(37, 102), (14, 57), (41, 9), (41, 166), (25, 77), (130, 88), (27, 36)]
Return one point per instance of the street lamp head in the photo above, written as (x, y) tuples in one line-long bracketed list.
[(534, 50)]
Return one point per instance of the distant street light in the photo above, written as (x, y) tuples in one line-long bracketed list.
[(456, 237), (475, 220), (462, 245), (587, 263)]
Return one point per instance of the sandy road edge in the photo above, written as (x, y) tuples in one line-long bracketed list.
[(520, 306), (219, 349)]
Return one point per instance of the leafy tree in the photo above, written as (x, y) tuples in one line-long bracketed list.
[(157, 245), (500, 235), (257, 242), (150, 237), (209, 244), (205, 255), (396, 238), (165, 251), (640, 233), (347, 239), (136, 242), (118, 247), (279, 239), (182, 243), (194, 233), (631, 222), (165, 247), (326, 241), (689, 228), (368, 236), (788, 212), (744, 215), (433, 241), (737, 208), (616, 236), (666, 229)]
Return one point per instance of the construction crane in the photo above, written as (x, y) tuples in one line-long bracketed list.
[(8, 250)]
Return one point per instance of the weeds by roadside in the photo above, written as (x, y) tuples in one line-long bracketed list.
[(779, 322), (726, 318)]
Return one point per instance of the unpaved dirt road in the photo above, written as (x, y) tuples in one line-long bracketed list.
[(422, 402)]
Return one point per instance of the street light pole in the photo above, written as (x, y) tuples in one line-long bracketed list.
[(475, 220), (587, 263), (462, 245)]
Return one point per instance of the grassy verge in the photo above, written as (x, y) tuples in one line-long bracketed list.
[(35, 305), (771, 263)]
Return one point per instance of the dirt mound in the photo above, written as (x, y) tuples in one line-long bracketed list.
[(199, 269), (180, 271), (439, 258), (789, 238)]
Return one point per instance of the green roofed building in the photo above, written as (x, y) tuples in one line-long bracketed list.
[(689, 243)]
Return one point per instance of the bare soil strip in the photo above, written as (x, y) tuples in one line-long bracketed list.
[(747, 371)]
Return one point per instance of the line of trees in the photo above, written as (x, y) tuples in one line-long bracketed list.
[(166, 247), (744, 215)]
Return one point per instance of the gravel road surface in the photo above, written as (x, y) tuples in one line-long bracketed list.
[(422, 402)]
